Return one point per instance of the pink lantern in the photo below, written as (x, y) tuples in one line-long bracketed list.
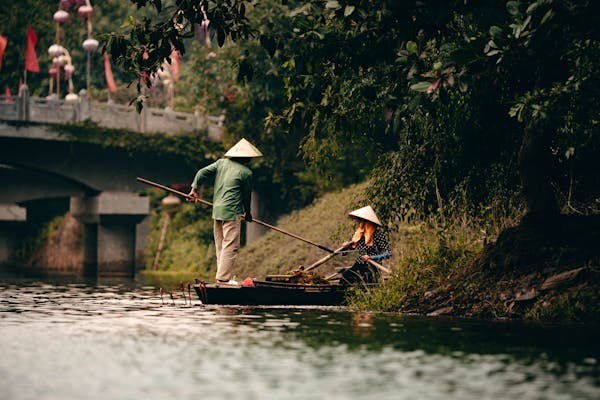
[(69, 70), (56, 61), (61, 16), (90, 45), (52, 72), (66, 4), (85, 11)]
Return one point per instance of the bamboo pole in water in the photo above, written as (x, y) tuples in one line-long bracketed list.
[(161, 241)]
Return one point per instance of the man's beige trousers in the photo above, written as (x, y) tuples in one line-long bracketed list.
[(227, 243)]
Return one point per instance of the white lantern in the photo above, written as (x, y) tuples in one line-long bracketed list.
[(61, 16), (85, 11), (55, 50), (71, 97), (90, 45)]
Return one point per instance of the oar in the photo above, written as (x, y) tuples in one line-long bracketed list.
[(372, 262), (177, 192), (338, 251), (324, 259)]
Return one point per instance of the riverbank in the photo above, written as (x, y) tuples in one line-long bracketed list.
[(504, 268), (536, 271)]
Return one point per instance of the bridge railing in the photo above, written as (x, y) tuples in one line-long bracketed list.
[(108, 115), (9, 107)]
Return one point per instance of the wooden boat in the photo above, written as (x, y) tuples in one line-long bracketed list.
[(271, 293)]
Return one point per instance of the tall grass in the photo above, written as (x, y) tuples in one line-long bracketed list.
[(433, 252)]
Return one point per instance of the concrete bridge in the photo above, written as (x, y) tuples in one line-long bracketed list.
[(97, 182), (108, 115)]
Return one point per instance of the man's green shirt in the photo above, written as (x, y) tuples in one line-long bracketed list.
[(232, 187)]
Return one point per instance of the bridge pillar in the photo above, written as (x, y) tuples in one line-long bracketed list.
[(255, 231), (110, 221), (11, 217)]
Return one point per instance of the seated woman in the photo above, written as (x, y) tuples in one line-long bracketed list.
[(370, 242)]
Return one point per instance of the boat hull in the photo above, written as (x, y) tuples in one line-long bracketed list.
[(271, 293)]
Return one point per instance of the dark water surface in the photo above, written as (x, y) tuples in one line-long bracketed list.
[(62, 340)]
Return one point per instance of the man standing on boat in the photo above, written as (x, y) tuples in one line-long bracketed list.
[(231, 201)]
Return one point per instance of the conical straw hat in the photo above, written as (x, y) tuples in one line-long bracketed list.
[(366, 213), (243, 148)]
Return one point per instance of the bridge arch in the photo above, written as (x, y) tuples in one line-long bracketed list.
[(97, 182), (22, 183)]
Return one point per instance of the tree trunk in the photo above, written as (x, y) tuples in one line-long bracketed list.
[(537, 172)]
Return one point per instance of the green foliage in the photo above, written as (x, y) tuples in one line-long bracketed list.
[(326, 89), (242, 80), (13, 24), (188, 244), (190, 147), (448, 86), (28, 247), (148, 40), (465, 82), (446, 161)]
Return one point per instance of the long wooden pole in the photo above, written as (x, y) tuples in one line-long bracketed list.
[(324, 259), (207, 203), (340, 250)]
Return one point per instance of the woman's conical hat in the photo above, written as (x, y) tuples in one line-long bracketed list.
[(366, 213), (243, 148)]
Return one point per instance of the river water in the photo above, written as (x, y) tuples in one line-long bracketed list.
[(117, 340)]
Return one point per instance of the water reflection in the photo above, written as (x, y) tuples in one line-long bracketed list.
[(90, 340)]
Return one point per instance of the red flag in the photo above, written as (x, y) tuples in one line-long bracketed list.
[(7, 95), (3, 42), (145, 56), (110, 81), (175, 63), (31, 61)]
